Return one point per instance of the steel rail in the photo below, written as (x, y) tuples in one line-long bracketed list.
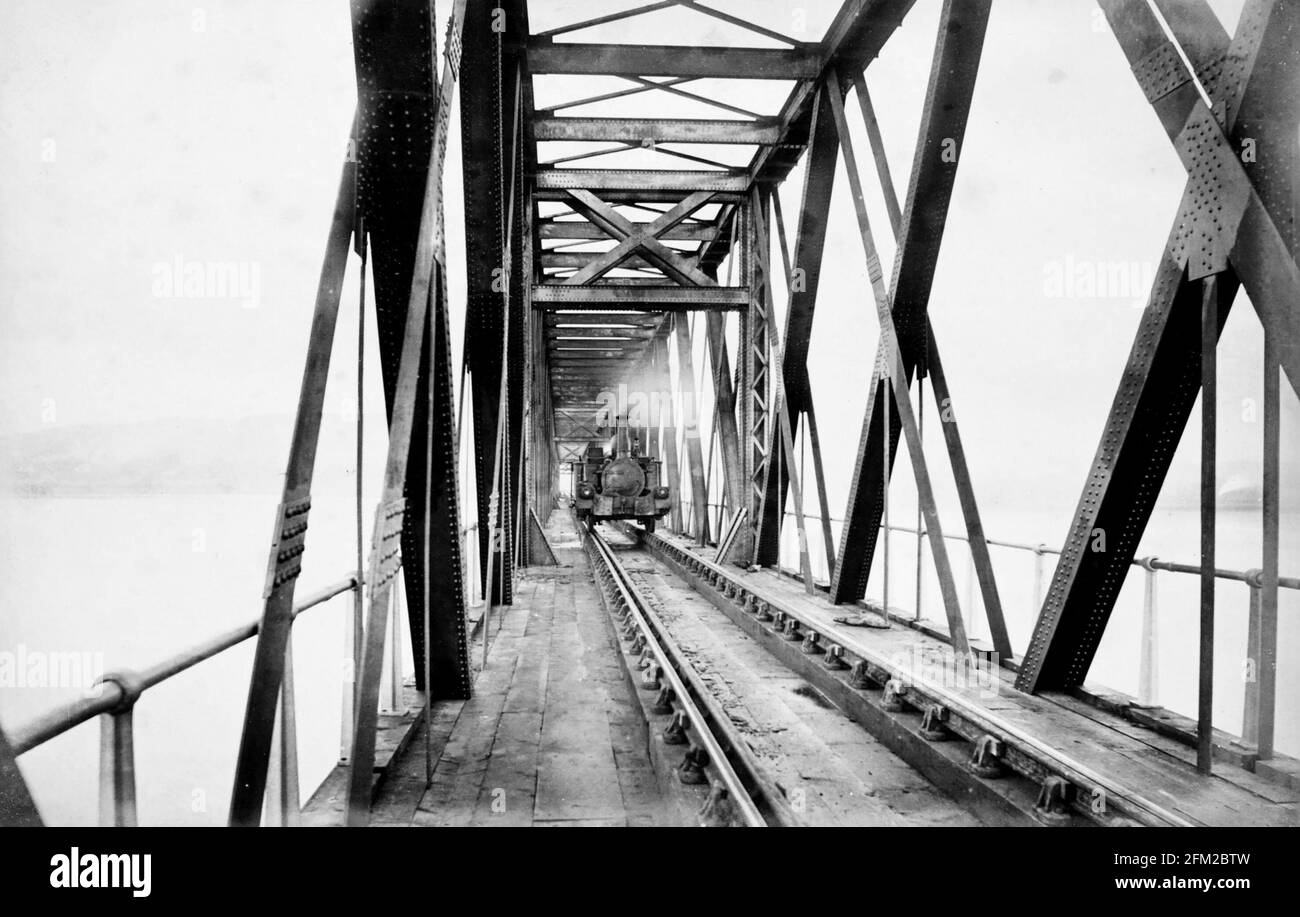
[(711, 726), (111, 694)]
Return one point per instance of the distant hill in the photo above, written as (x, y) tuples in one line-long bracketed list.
[(247, 456), (157, 457)]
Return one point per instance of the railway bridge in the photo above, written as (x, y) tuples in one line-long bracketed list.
[(627, 255)]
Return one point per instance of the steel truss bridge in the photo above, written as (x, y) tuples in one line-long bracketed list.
[(581, 278)]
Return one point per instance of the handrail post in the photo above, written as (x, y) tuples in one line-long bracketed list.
[(281, 806), (970, 589), (1039, 574), (1250, 716), (117, 770), (395, 650), (391, 699), (117, 803), (886, 392), (1266, 661), (351, 647), (1209, 491), (973, 618), (1149, 657)]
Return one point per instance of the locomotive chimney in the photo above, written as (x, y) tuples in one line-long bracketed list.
[(622, 438)]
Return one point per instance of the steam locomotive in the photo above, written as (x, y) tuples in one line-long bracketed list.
[(615, 481)]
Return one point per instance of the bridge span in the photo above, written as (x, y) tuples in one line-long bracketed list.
[(615, 576)]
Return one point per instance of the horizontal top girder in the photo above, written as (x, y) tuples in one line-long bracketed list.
[(546, 57), (645, 319), (633, 297), (648, 131), (575, 229), (639, 195), (642, 179)]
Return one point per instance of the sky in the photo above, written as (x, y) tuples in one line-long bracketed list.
[(141, 140)]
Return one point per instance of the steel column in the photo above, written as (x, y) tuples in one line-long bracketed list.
[(953, 70), (691, 427), (487, 104), (288, 537), (803, 283), (894, 370), (1257, 95)]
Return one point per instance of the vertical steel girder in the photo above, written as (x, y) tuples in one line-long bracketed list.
[(411, 505), (752, 386), (810, 241), (535, 459), (400, 113), (288, 537), (943, 127), (541, 459), (1272, 128), (952, 438), (781, 449), (823, 502), (668, 428), (893, 375), (975, 537), (488, 103), (397, 125), (724, 409), (691, 426), (1251, 239)]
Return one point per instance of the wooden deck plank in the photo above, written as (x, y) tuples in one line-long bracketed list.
[(1251, 783), (577, 776), (509, 789), (547, 737), (458, 777)]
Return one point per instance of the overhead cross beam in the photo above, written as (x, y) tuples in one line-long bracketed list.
[(638, 237)]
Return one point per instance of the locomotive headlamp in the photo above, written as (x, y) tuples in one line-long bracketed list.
[(661, 493), (584, 490)]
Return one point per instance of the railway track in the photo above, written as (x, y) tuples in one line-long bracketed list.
[(768, 747), (1027, 779), (716, 754), (973, 756)]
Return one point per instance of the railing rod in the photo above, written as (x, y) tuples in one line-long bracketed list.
[(1250, 577), (60, 719)]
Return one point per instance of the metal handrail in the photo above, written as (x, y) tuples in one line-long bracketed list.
[(120, 686), (1249, 577)]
